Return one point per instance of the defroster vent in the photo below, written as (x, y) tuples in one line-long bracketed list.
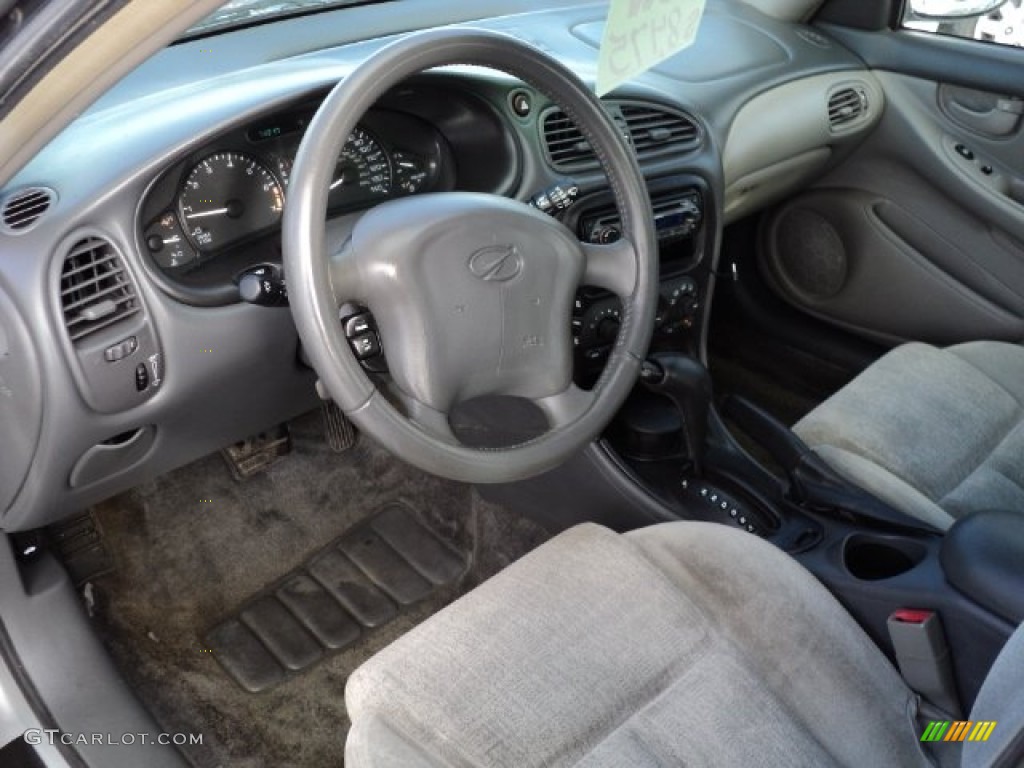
[(95, 290), (22, 210)]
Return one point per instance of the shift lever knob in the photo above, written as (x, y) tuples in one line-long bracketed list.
[(687, 383)]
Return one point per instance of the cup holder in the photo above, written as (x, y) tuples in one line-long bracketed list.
[(873, 558)]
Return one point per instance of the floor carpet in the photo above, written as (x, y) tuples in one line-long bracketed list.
[(195, 544)]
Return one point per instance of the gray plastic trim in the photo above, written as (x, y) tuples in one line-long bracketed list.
[(782, 138), (894, 290), (787, 10), (592, 486), (944, 245), (109, 387), (942, 58), (8, 200), (73, 679), (21, 403), (105, 460)]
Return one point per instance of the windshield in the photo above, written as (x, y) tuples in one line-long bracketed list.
[(241, 12)]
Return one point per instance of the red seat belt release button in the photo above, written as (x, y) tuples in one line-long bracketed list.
[(922, 655), (911, 616)]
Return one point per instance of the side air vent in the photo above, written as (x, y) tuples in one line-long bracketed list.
[(95, 290), (22, 210), (651, 130), (845, 106)]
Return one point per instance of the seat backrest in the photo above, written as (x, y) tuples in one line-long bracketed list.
[(1001, 700)]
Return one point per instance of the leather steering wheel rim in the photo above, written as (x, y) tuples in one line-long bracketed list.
[(317, 285)]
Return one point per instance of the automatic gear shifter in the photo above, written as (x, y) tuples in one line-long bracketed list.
[(687, 383)]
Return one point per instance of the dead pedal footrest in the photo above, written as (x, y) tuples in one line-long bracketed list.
[(358, 583)]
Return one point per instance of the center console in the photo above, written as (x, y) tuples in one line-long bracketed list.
[(890, 571), (681, 205), (669, 456)]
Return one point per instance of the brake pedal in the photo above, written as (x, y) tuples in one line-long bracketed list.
[(339, 432), (255, 454)]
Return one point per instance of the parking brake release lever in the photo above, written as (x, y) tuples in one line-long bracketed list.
[(687, 383)]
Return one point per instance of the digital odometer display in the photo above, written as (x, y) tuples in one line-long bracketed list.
[(228, 196)]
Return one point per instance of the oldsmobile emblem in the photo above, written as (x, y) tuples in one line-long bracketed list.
[(496, 263)]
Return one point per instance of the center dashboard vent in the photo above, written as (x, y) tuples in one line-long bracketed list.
[(22, 210), (846, 105), (651, 131), (95, 290)]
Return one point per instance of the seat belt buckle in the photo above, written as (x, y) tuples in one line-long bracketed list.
[(922, 655)]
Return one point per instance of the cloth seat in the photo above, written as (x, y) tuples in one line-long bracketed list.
[(936, 433), (682, 644)]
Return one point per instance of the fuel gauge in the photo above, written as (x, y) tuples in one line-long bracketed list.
[(167, 243), (283, 166), (411, 172)]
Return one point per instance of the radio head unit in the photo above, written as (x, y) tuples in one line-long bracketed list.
[(677, 216)]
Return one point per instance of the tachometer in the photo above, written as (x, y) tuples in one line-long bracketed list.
[(228, 196)]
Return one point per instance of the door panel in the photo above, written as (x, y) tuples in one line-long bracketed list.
[(929, 212), (862, 261)]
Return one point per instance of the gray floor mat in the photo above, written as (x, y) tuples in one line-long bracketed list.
[(193, 546)]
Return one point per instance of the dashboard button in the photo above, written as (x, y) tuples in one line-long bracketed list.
[(365, 345), (121, 350), (965, 152), (357, 325), (141, 377)]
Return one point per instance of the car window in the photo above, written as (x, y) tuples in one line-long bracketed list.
[(243, 12), (993, 21)]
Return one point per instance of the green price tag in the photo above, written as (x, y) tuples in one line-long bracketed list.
[(640, 33)]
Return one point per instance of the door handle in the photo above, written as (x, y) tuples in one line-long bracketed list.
[(987, 114)]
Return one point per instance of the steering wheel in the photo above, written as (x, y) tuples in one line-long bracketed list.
[(472, 293)]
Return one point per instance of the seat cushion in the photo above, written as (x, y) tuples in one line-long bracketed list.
[(937, 433), (683, 643)]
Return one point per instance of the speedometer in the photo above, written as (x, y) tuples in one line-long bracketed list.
[(363, 172), (228, 196)]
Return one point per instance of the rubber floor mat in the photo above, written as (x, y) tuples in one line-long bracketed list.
[(360, 582)]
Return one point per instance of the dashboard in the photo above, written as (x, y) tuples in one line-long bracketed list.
[(125, 346), (215, 214)]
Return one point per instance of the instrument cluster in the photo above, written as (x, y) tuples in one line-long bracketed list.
[(227, 200)]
